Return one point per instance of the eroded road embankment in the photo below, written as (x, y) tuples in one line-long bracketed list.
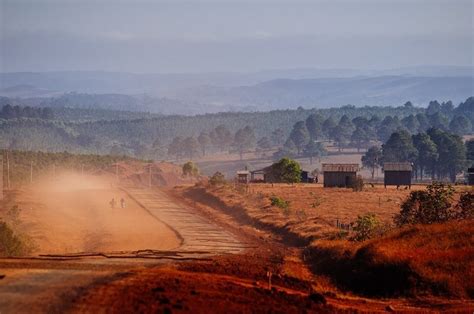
[(53, 281)]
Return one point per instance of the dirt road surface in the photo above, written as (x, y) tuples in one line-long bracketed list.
[(81, 241)]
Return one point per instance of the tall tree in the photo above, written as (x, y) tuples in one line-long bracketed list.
[(263, 145), (360, 122), (278, 137), (314, 150), (361, 136), (299, 135), (314, 124), (372, 159), (388, 126), (221, 137), (451, 151), (433, 107), (460, 125), (399, 148), (175, 148), (288, 150), (328, 126), (190, 147), (204, 141), (411, 123), (423, 122), (244, 139), (427, 154), (439, 121)]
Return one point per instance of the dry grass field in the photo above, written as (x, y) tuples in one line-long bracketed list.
[(417, 260)]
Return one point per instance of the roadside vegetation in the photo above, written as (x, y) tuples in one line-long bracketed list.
[(12, 242)]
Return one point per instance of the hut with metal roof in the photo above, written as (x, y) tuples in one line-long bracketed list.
[(340, 175), (397, 173), (243, 176)]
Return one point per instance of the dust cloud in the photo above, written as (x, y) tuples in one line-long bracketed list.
[(72, 213)]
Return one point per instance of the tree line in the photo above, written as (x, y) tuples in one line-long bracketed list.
[(290, 132), (18, 165), (436, 153), (16, 112)]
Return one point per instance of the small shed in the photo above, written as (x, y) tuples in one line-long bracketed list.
[(340, 175), (470, 176), (243, 176), (397, 173), (304, 177), (260, 175), (264, 175)]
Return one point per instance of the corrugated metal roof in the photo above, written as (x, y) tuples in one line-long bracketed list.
[(243, 172), (397, 166), (340, 167)]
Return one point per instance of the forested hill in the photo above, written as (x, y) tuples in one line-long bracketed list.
[(328, 92), (151, 137), (189, 94)]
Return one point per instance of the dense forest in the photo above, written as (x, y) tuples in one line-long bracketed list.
[(290, 131)]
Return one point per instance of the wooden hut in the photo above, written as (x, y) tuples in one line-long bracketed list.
[(264, 176), (340, 175), (470, 176), (243, 176), (397, 173)]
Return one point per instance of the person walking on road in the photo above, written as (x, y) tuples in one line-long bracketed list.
[(112, 203), (122, 203)]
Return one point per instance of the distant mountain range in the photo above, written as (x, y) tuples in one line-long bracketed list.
[(191, 93)]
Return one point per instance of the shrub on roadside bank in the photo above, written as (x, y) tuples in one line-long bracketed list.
[(436, 259), (217, 179), (435, 205), (12, 244)]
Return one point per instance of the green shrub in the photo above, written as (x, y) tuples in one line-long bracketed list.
[(217, 179), (13, 215), (286, 171), (365, 227), (426, 207), (279, 202), (190, 169), (465, 206), (12, 244), (358, 184)]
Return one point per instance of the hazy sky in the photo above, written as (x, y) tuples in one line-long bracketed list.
[(196, 36)]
